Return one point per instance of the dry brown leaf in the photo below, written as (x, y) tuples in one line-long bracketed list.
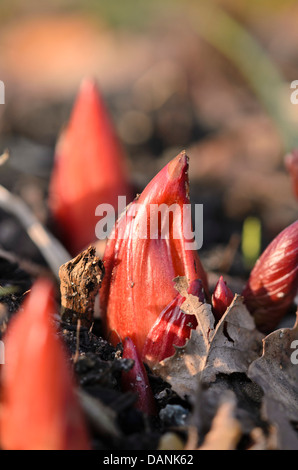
[(182, 369), (228, 348), (225, 432), (281, 428), (170, 441), (235, 344), (261, 441), (276, 372)]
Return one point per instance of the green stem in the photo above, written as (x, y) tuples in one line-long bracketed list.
[(229, 37)]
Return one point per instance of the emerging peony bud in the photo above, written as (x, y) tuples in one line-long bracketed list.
[(221, 298), (136, 380), (273, 282), (39, 407), (172, 327), (291, 162), (89, 170), (140, 266)]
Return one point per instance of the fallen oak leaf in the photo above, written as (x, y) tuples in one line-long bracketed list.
[(191, 305), (281, 433), (262, 441), (236, 342), (172, 327), (226, 431), (181, 369), (227, 348), (170, 441), (209, 397), (276, 371)]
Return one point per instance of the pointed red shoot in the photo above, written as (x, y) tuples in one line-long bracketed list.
[(172, 327), (136, 380), (273, 282), (221, 298), (140, 266), (39, 407), (89, 169)]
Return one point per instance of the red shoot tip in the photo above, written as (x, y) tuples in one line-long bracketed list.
[(136, 379), (273, 282), (89, 169), (139, 267), (40, 410), (172, 327), (221, 298)]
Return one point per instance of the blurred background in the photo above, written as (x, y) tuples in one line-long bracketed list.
[(209, 77)]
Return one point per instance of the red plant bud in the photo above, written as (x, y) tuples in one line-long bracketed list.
[(39, 407), (139, 269), (89, 170), (172, 327), (136, 379), (273, 282), (221, 298), (291, 162)]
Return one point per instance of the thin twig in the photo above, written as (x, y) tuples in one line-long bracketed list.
[(51, 249), (4, 157), (33, 269), (100, 416), (77, 353)]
